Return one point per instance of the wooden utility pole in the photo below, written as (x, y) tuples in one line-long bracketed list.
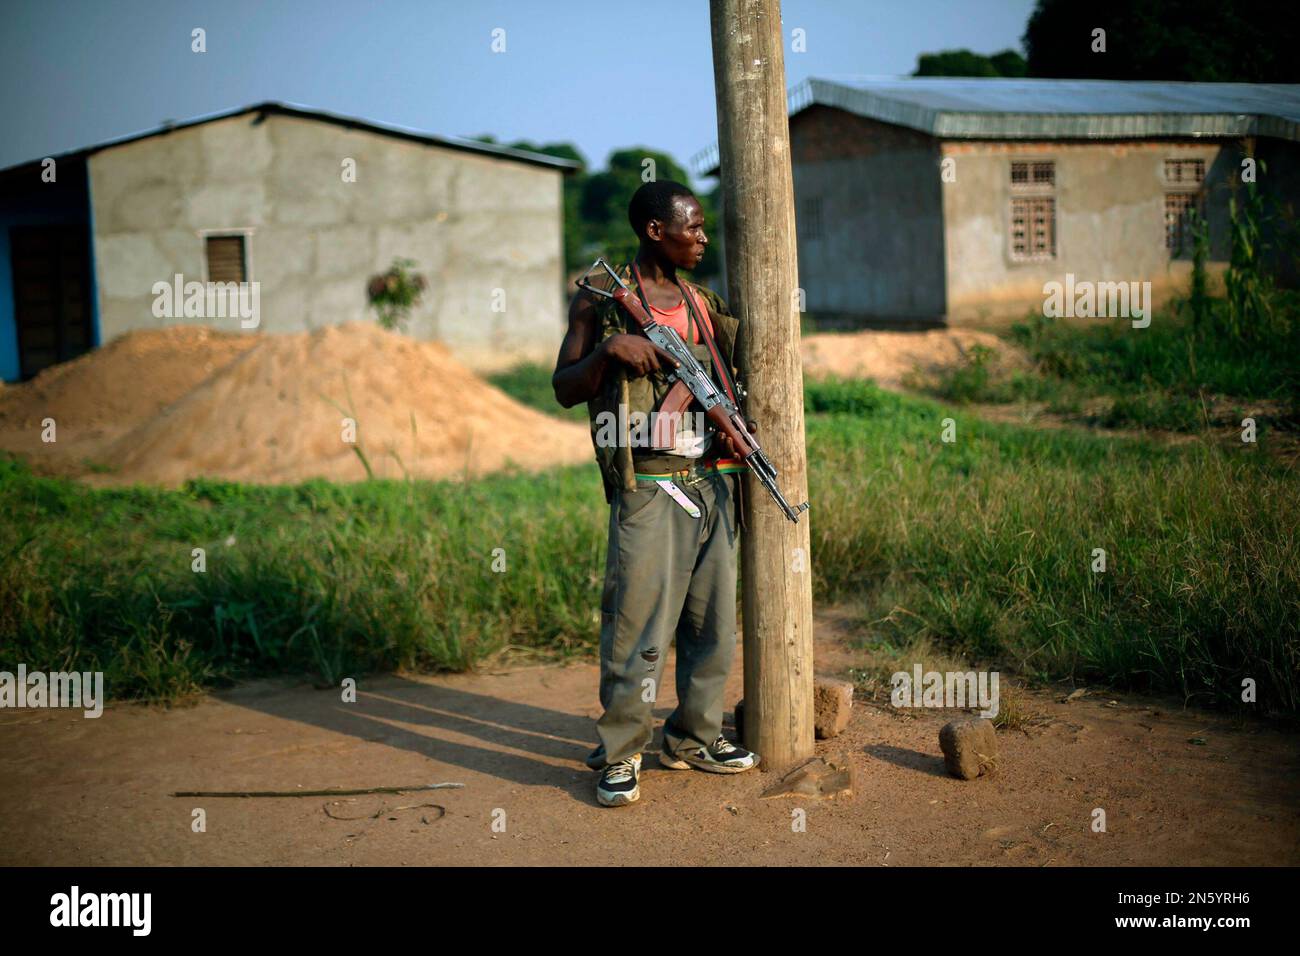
[(762, 290)]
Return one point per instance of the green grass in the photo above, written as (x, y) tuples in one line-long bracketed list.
[(329, 579), (531, 384), (1166, 376), (984, 546), (981, 547)]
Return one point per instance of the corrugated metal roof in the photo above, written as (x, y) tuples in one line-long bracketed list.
[(307, 112), (989, 108)]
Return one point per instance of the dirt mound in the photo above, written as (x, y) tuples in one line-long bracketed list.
[(124, 383), (888, 357), (277, 414)]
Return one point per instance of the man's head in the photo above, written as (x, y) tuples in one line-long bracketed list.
[(667, 218)]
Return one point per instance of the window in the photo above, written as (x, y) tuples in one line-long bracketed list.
[(1184, 179), (1033, 228), (1033, 210), (1185, 172), (1027, 175), (812, 218), (1178, 206), (227, 258)]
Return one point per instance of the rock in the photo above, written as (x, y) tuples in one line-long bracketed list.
[(832, 700), (821, 778), (970, 747)]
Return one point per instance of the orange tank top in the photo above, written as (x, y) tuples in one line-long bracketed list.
[(676, 318)]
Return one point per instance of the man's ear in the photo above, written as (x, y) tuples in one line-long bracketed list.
[(654, 229)]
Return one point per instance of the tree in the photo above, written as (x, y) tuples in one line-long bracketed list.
[(604, 200), (1248, 41), (967, 63), (1009, 63)]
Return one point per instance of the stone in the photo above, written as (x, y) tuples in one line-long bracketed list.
[(970, 747), (832, 701), (820, 778)]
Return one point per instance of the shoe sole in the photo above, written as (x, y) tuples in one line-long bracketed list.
[(619, 799), (676, 763)]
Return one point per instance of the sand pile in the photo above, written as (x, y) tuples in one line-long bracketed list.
[(888, 356), (277, 413), (124, 383), (160, 406)]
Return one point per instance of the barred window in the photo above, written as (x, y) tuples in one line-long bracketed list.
[(1185, 172), (1033, 210), (1033, 228), (1178, 208), (1028, 174)]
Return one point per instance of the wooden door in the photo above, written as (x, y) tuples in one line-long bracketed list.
[(51, 270)]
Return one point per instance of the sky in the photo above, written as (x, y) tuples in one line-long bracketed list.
[(601, 75)]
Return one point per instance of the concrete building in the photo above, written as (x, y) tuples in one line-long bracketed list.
[(307, 206), (924, 200)]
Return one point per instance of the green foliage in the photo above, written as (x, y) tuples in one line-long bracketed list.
[(966, 63), (1203, 40), (981, 546), (1250, 316), (1164, 376), (1199, 297), (970, 379), (394, 293), (531, 384), (850, 396), (605, 197)]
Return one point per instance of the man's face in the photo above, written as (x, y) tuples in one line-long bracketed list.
[(682, 239)]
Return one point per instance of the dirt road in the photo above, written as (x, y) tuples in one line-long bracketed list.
[(75, 791)]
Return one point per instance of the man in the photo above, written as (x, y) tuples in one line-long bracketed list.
[(670, 569)]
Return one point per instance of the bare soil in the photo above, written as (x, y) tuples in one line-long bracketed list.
[(892, 358), (97, 792)]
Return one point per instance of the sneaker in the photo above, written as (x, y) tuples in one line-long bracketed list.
[(619, 782), (721, 757)]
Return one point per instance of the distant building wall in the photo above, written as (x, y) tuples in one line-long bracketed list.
[(1109, 219), (484, 231), (869, 214)]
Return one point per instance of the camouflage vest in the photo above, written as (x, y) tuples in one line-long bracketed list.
[(619, 462)]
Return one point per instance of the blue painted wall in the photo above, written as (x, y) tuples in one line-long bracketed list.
[(26, 201)]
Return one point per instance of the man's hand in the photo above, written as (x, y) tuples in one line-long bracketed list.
[(638, 353), (729, 449)]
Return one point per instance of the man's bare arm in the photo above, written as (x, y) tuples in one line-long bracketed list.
[(580, 366)]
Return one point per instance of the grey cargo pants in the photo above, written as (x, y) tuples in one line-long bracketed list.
[(667, 575)]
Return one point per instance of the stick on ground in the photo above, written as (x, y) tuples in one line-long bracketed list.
[(312, 793)]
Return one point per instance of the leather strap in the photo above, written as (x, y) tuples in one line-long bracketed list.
[(691, 297)]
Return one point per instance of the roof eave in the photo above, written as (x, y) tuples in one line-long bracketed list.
[(564, 166)]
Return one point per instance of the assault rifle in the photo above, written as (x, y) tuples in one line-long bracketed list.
[(691, 382)]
